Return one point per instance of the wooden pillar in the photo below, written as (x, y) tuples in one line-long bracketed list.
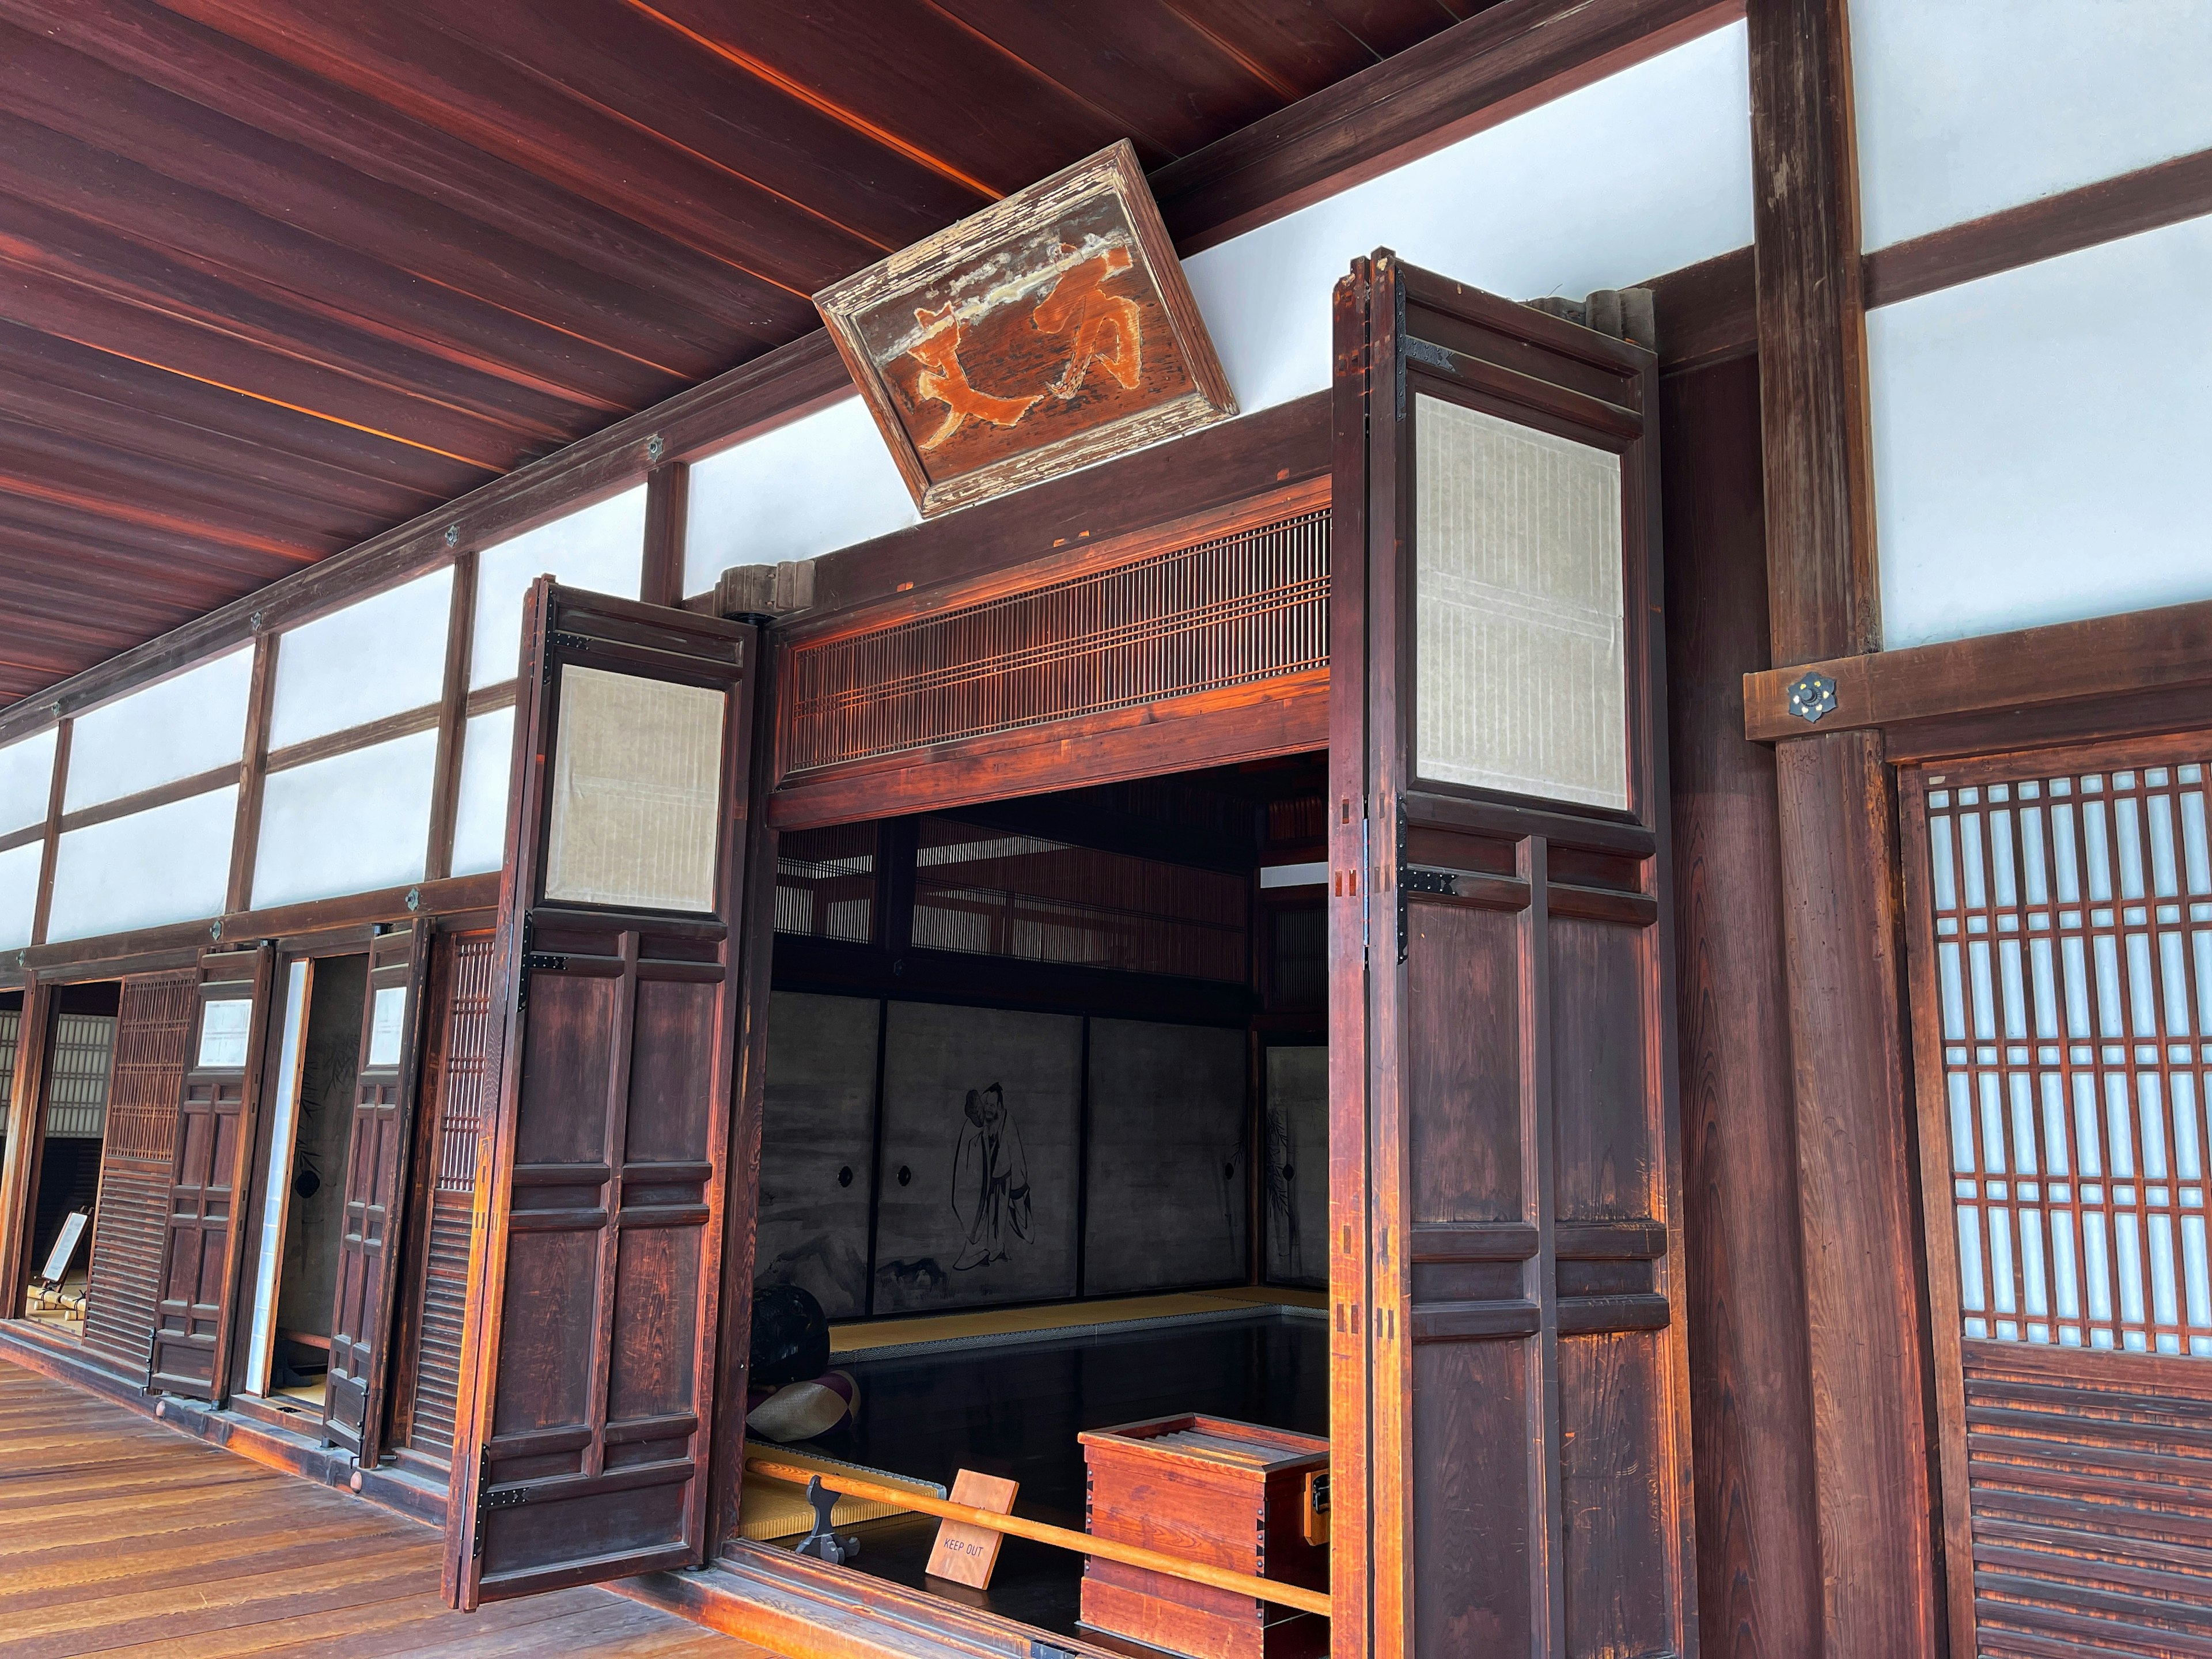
[(1758, 1556), (1867, 1325)]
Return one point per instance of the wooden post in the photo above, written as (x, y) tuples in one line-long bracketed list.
[(667, 514), (1758, 1554), (1864, 1297)]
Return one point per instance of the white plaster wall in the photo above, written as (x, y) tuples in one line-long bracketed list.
[(823, 482), (599, 547), (352, 824), (191, 723), (382, 656), (168, 864), (1641, 174), (1967, 106), (26, 781), (2040, 442)]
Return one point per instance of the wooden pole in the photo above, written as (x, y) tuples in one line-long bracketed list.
[(1128, 1555)]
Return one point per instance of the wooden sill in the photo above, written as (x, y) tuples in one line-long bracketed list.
[(811, 1610)]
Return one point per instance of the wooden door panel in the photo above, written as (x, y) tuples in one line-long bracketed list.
[(585, 1401), (1471, 1404), (1464, 1073), (1522, 1440), (1610, 1152), (375, 1173), (153, 1025), (1617, 1533), (199, 1259)]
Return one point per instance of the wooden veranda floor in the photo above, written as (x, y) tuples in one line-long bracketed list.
[(121, 1536)]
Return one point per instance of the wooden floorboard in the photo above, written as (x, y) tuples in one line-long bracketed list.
[(119, 1535)]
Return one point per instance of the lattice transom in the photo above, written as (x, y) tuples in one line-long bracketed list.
[(2073, 929)]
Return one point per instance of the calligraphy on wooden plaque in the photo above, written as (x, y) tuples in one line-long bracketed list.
[(1052, 329)]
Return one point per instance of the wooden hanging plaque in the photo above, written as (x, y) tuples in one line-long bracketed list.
[(1052, 329)]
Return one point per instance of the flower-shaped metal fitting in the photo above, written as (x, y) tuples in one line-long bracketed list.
[(1811, 695)]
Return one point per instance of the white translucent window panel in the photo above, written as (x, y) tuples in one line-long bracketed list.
[(168, 863), (599, 547), (2039, 440), (283, 1135), (823, 482), (1517, 608), (1641, 174), (19, 894), (353, 824), (636, 798), (380, 657), (26, 781), (1967, 106), (192, 723), (480, 813)]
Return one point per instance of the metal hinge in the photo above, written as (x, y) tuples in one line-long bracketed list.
[(556, 639), (487, 1500), (1414, 878), (531, 962)]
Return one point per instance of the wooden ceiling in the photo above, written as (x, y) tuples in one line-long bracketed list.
[(274, 275)]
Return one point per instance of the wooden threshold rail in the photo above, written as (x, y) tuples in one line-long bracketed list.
[(1130, 1555)]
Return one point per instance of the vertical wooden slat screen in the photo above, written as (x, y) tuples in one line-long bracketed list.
[(460, 1085), (154, 1025), (2062, 932), (1232, 611)]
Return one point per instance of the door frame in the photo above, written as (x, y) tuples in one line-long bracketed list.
[(320, 946)]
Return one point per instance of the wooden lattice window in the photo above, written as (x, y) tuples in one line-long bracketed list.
[(994, 892), (465, 1079), (825, 883), (2072, 922), (1228, 612), (77, 1073)]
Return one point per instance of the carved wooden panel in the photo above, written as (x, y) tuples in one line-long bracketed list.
[(153, 1025), (1233, 610)]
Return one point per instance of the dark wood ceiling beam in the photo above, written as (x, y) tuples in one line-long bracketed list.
[(59, 499), (643, 73), (34, 448), (203, 109), (229, 468), (1474, 74), (47, 299), (1165, 75), (444, 84), (905, 70), (223, 239), (178, 412), (401, 380)]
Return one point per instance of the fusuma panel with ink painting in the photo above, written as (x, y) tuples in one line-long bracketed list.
[(977, 1180)]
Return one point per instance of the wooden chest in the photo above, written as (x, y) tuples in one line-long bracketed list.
[(1220, 1493)]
